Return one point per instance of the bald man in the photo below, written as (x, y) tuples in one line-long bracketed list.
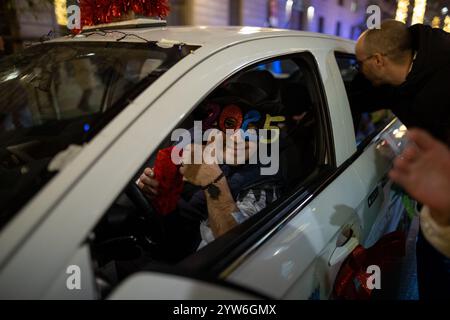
[(409, 73), (409, 70)]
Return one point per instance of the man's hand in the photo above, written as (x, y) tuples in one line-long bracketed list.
[(423, 170), (220, 209), (148, 184), (200, 174)]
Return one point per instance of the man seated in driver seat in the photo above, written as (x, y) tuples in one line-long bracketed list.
[(220, 196)]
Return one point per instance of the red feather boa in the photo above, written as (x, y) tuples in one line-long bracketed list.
[(170, 182), (95, 12)]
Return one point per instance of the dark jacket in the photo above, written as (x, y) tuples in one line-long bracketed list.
[(423, 100)]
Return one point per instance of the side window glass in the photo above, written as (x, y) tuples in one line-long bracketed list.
[(260, 136), (270, 113), (365, 124)]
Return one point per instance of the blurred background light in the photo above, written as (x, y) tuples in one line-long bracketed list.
[(402, 11), (419, 11), (288, 9), (310, 13), (436, 23), (249, 30), (447, 24)]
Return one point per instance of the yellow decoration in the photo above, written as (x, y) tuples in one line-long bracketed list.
[(61, 12)]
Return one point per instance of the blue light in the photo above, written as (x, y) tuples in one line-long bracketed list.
[(86, 127), (277, 67), (261, 67)]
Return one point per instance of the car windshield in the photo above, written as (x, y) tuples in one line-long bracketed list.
[(54, 97)]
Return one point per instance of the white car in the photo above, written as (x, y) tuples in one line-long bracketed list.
[(82, 116)]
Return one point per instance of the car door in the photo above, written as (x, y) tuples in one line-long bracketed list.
[(352, 206), (298, 257), (296, 248), (221, 257), (308, 231)]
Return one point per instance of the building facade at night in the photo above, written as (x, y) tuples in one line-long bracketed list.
[(344, 18), (20, 23)]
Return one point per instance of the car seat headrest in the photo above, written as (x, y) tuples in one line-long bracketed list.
[(262, 79), (247, 95)]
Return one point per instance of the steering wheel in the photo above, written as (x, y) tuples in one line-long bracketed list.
[(146, 211)]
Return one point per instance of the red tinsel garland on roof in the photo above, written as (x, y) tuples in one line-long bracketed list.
[(94, 12)]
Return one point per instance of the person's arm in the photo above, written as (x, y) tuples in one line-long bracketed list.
[(220, 208), (423, 169)]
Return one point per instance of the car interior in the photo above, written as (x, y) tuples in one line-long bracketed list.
[(132, 236)]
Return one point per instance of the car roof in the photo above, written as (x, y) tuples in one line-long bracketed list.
[(193, 35)]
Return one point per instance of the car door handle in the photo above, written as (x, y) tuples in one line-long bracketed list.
[(340, 253)]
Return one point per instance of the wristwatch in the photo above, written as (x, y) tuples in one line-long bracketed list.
[(212, 189)]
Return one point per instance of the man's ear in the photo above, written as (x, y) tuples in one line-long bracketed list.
[(379, 59)]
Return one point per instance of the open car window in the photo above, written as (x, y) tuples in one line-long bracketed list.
[(365, 123), (55, 97), (141, 231)]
